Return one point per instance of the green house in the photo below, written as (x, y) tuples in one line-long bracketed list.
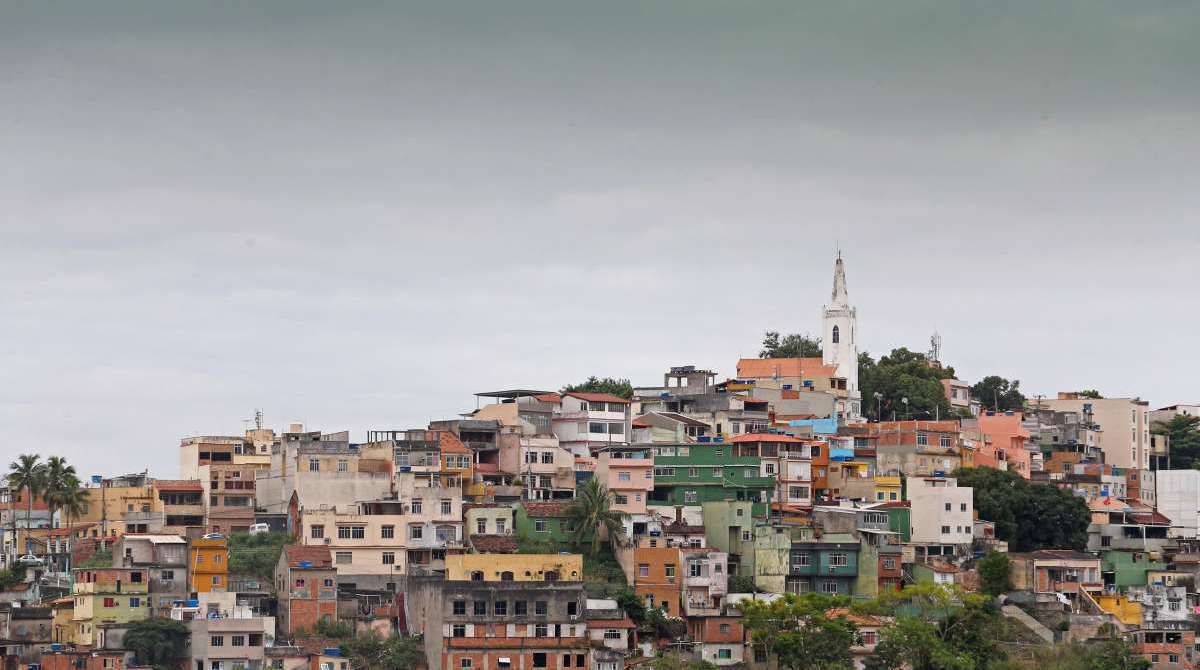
[(828, 565), (693, 474), (1128, 568), (543, 522)]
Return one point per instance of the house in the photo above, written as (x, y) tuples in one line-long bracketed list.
[(543, 521), (368, 543), (942, 515), (530, 458), (306, 584), (661, 427), (230, 642), (705, 581), (589, 421), (208, 561), (1049, 572), (657, 578), (828, 565), (1125, 423), (785, 458), (488, 519), (628, 472), (183, 506), (609, 627), (106, 596), (1005, 442), (917, 448), (166, 559), (513, 611), (692, 474)]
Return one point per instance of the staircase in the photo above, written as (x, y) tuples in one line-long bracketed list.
[(1017, 614)]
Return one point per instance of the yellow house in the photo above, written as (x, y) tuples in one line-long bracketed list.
[(208, 564), (123, 505), (887, 488), (514, 567), (64, 620), (1128, 612), (106, 596)]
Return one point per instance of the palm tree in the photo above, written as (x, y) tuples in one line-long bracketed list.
[(60, 482), (27, 472), (590, 511), (72, 503)]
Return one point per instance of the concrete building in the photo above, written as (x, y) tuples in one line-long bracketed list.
[(942, 515), (208, 564), (1005, 443), (917, 448), (324, 469), (657, 579), (629, 473), (369, 543), (1049, 572), (705, 582), (182, 505), (786, 459), (108, 596), (165, 558), (306, 584), (1178, 495), (434, 527), (589, 421), (515, 611), (1125, 422)]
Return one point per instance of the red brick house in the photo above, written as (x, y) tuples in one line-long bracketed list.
[(306, 582)]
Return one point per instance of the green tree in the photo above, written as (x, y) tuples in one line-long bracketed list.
[(937, 627), (1091, 394), (592, 510), (676, 662), (27, 474), (998, 394), (802, 631), (1029, 516), (741, 584), (903, 374), (72, 503), (1183, 438), (792, 345), (395, 652), (157, 642), (611, 385), (60, 483), (995, 573), (256, 554), (1110, 654), (628, 600)]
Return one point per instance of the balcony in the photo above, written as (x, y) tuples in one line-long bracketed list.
[(700, 608)]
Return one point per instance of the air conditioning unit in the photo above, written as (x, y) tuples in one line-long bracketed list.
[(327, 540)]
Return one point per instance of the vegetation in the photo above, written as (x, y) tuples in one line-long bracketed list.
[(903, 374), (10, 578), (628, 600), (256, 554), (995, 573), (802, 630), (938, 628), (337, 630), (741, 584), (792, 345), (658, 623), (603, 569), (1111, 654), (1091, 394), (998, 394), (157, 642), (103, 558), (395, 652), (1028, 516), (618, 387), (59, 483), (676, 662), (1183, 434), (592, 510), (26, 473)]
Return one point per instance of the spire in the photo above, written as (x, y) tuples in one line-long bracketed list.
[(840, 297)]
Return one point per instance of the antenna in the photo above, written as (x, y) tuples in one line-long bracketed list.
[(935, 348), (258, 419)]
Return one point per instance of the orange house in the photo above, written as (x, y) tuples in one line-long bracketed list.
[(657, 578), (1003, 444), (820, 467), (208, 562)]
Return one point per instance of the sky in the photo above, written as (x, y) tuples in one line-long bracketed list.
[(357, 215)]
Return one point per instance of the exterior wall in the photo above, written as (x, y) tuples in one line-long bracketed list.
[(306, 596), (229, 496), (366, 556), (229, 640), (524, 567), (1004, 439), (549, 528), (699, 473), (1126, 426), (496, 520), (108, 596), (725, 523), (1179, 500), (929, 499), (631, 479), (208, 564), (658, 578)]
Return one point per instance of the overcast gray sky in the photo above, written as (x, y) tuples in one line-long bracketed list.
[(358, 214)]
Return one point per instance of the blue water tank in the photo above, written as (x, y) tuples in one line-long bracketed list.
[(306, 564), (331, 651)]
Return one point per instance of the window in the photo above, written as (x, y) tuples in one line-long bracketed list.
[(416, 506), (801, 560), (693, 472), (480, 526), (649, 474), (616, 429), (237, 641), (458, 630), (316, 531), (110, 602), (541, 630), (500, 608), (726, 652), (539, 526), (735, 426), (669, 570), (947, 507), (770, 468), (389, 558), (597, 427), (664, 472), (464, 663), (829, 586), (572, 608), (922, 439), (520, 608), (343, 465), (480, 608), (547, 457), (945, 441), (740, 512), (962, 507), (643, 570), (460, 608), (749, 473), (387, 532), (539, 608), (216, 641), (870, 637), (167, 575), (745, 536), (694, 569), (945, 530), (416, 532), (724, 628), (889, 564), (500, 526), (531, 457), (689, 497), (137, 602), (623, 476), (446, 508), (612, 634), (718, 472), (352, 532), (839, 560), (566, 661), (314, 464), (343, 557), (620, 499)]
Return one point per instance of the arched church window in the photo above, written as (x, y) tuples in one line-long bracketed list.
[(836, 337)]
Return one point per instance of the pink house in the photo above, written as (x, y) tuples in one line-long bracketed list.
[(1004, 443), (629, 473)]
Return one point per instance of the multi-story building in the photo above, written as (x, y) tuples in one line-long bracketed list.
[(306, 584), (201, 450), (589, 421), (942, 515), (108, 597), (229, 491), (488, 519), (511, 611), (668, 428), (657, 577), (958, 394), (692, 474), (1005, 443), (208, 563), (917, 448), (434, 527), (786, 459), (165, 559), (828, 565), (230, 643), (853, 469), (1049, 572), (182, 505), (322, 469), (629, 473), (705, 581), (368, 543), (1179, 500), (719, 638), (125, 504), (1125, 422), (544, 522)]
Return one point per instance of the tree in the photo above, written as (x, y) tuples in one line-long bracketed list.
[(256, 554), (792, 345), (1111, 654), (611, 385), (676, 662), (1183, 439), (903, 374), (592, 510), (60, 483), (27, 473), (995, 573), (938, 628), (101, 558), (1091, 394), (802, 630), (741, 584), (72, 503), (628, 600), (373, 650), (158, 642), (998, 394), (1027, 515)]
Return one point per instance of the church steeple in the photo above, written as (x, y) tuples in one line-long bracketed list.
[(840, 298)]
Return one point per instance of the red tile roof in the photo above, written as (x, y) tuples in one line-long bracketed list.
[(450, 444), (597, 397), (319, 557), (766, 437), (545, 509), (494, 544), (178, 485), (548, 397), (609, 623)]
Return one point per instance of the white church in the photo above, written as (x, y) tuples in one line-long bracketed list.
[(839, 345)]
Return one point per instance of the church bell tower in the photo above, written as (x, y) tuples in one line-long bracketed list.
[(839, 346)]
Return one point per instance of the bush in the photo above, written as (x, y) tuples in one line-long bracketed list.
[(256, 554), (742, 584), (157, 642), (103, 558)]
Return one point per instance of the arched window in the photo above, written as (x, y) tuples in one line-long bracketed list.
[(506, 576), (835, 337), (477, 576)]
